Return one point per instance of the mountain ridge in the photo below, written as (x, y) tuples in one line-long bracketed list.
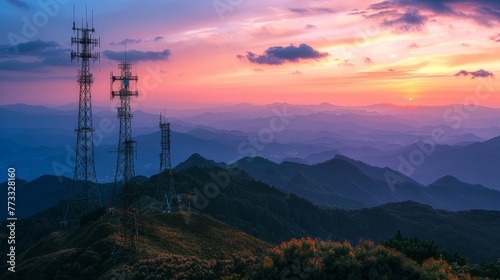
[(347, 183)]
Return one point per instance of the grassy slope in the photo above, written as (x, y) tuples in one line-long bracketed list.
[(87, 252)]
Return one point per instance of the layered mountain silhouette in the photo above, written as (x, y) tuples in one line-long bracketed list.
[(340, 182), (378, 135), (346, 183)]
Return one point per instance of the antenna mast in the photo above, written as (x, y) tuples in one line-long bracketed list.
[(165, 186), (125, 190), (84, 196)]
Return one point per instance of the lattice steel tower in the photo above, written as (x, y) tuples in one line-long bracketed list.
[(84, 196), (125, 190), (165, 187)]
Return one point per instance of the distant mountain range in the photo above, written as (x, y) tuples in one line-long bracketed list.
[(474, 163), (339, 182), (40, 140), (349, 184)]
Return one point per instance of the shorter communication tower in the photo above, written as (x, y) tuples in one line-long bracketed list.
[(125, 192), (165, 189)]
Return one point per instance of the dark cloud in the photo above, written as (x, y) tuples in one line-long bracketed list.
[(484, 12), (484, 15), (156, 39), (357, 12), (279, 55), (324, 10), (475, 74), (28, 48), (317, 10), (298, 10), (495, 38), (41, 65), (137, 41), (135, 56), (126, 41), (438, 6), (20, 4), (462, 73), (263, 59), (383, 14), (382, 5), (411, 20), (33, 56), (21, 66), (310, 26)]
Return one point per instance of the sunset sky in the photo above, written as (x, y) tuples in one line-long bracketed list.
[(421, 52)]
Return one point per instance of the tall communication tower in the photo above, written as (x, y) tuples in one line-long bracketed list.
[(165, 186), (84, 196), (125, 189)]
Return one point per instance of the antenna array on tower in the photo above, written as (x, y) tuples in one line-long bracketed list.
[(84, 196), (165, 189), (125, 189)]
